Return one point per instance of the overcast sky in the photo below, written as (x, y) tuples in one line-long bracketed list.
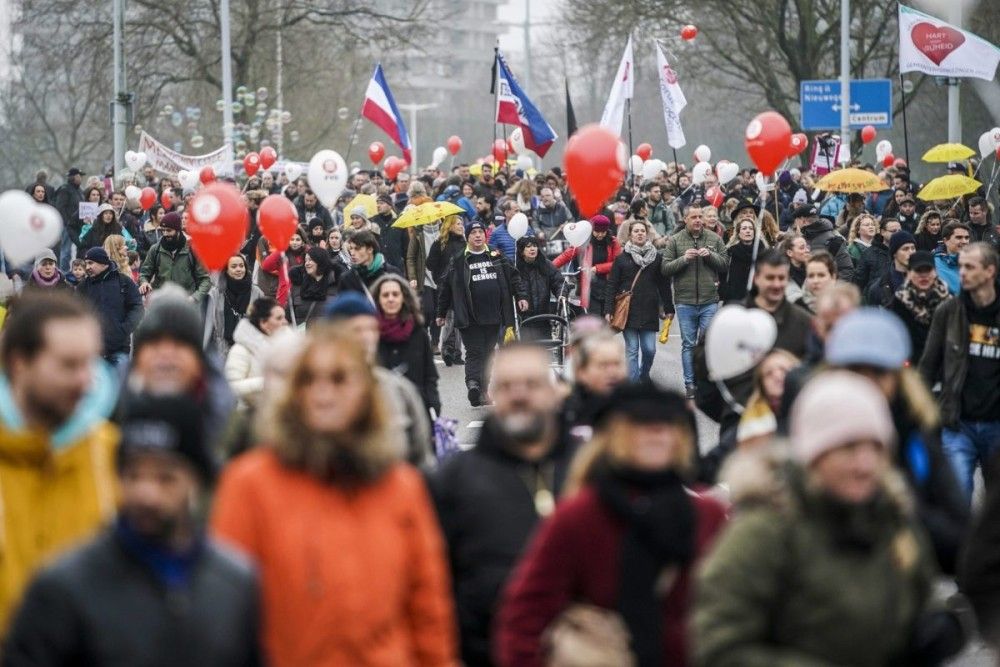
[(542, 11)]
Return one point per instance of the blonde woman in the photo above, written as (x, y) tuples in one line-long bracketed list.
[(115, 246), (863, 230)]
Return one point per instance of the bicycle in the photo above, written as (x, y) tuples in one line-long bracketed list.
[(559, 322)]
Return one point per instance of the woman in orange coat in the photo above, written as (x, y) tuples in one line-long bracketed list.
[(350, 554)]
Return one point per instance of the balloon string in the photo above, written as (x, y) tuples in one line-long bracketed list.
[(757, 233)]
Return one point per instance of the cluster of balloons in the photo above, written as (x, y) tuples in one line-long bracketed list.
[(989, 142), (883, 153)]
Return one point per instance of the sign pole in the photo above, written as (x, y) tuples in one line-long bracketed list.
[(845, 80), (906, 134)]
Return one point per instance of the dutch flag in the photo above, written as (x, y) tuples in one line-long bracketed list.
[(380, 108)]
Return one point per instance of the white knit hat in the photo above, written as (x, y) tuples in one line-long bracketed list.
[(837, 408)]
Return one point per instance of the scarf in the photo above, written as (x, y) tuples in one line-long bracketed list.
[(237, 302), (660, 533), (37, 279), (643, 255), (920, 304), (377, 262), (396, 330)]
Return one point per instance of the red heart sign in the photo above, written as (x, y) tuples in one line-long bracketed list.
[(936, 42)]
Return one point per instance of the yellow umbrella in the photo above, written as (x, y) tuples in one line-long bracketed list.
[(949, 187), (426, 213), (365, 201), (851, 180), (948, 153)]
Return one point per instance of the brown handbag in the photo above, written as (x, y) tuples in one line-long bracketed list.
[(623, 301)]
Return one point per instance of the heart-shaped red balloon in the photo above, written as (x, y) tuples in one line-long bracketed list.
[(595, 164), (797, 144), (147, 198), (767, 141), (936, 42), (268, 156), (278, 221), (218, 226)]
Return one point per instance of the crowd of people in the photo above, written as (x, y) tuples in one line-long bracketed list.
[(247, 468)]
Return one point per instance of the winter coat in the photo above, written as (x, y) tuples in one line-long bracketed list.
[(181, 267), (409, 413), (271, 279), (874, 263), (68, 198), (979, 570), (575, 558), (821, 236), (455, 294), (101, 605), (946, 356), (360, 279), (416, 260), (695, 282), (917, 331), (984, 233), (488, 513), (927, 241), (650, 297), (439, 259), (119, 307), (857, 251), (354, 576), (61, 483), (548, 220), (542, 281), (597, 282), (733, 287), (215, 320), (661, 218), (501, 240), (393, 241), (306, 310), (947, 270), (245, 362), (321, 212), (414, 360), (798, 580)]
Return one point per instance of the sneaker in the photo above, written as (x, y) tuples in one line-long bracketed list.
[(447, 360), (475, 396), (689, 391)]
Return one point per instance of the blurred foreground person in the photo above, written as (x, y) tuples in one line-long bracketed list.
[(56, 449), (599, 365), (151, 590), (824, 563), (351, 560), (490, 498), (624, 542)]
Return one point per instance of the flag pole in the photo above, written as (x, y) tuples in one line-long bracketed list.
[(677, 170), (628, 112), (494, 88), (350, 141), (906, 134)]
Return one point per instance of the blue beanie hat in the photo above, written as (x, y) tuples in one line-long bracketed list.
[(899, 239), (348, 304)]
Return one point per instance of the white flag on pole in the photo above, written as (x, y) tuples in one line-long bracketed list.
[(936, 48), (673, 100), (621, 90)]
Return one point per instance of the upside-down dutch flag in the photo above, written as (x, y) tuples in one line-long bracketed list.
[(514, 108), (380, 108)]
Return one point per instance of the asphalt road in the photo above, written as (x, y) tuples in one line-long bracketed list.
[(666, 372)]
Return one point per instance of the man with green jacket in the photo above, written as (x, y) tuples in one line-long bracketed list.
[(171, 260), (696, 259)]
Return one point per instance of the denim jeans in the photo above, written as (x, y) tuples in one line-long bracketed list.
[(694, 321), (636, 340), (65, 252), (969, 444)]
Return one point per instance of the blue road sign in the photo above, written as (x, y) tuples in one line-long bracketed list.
[(871, 104)]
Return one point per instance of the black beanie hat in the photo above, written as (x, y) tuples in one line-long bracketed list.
[(170, 315), (645, 403), (168, 424)]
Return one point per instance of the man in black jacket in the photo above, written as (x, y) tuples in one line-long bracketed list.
[(152, 589), (309, 207), (67, 201), (117, 301), (489, 499), (480, 287)]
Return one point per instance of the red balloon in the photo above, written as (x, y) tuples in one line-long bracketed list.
[(500, 150), (714, 196), (595, 164), (888, 160), (167, 199), (867, 133), (251, 163), (147, 198), (797, 144), (268, 156), (278, 220), (645, 151), (218, 226), (393, 165), (767, 139), (206, 175), (376, 151), (454, 144), (689, 32), (998, 153)]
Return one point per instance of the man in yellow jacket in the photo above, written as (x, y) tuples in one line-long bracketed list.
[(57, 481)]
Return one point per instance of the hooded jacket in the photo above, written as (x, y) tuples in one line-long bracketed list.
[(541, 280), (119, 306), (821, 236), (58, 488), (947, 270), (455, 294)]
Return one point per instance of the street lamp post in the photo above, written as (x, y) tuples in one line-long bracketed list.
[(227, 86), (119, 106), (845, 81), (413, 108)]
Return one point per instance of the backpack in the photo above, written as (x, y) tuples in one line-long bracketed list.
[(156, 262)]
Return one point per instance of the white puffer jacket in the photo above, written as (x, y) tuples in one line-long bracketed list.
[(245, 362)]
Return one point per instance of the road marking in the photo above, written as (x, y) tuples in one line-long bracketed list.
[(475, 424)]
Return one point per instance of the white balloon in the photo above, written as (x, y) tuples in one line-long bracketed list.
[(882, 149), (518, 225), (995, 133), (635, 164), (135, 160), (327, 176), (293, 171), (700, 172), (440, 153), (762, 183), (726, 171), (189, 179), (132, 193), (577, 233), (27, 227), (737, 339), (651, 168), (703, 153), (517, 140), (986, 146), (524, 162)]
